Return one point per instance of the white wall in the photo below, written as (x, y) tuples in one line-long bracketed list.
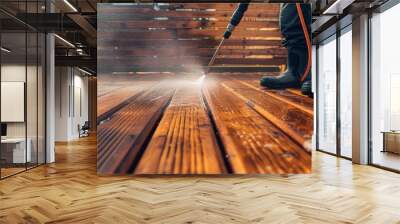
[(33, 127), (71, 102), (62, 81), (80, 109), (12, 73)]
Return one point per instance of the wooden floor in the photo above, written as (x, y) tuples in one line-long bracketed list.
[(70, 191), (184, 124), (386, 159)]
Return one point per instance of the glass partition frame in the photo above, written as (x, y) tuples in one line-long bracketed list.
[(337, 149), (33, 64)]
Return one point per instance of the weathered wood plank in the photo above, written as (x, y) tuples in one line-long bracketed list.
[(120, 13), (293, 122), (190, 24), (292, 96), (184, 142), (128, 64), (188, 43), (245, 69), (189, 34), (121, 138), (299, 100), (120, 92), (253, 144), (226, 6), (225, 19), (141, 51), (117, 91), (115, 100)]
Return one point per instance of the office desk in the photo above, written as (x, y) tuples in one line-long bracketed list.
[(13, 150)]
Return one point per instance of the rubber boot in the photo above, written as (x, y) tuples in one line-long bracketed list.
[(297, 63), (306, 88)]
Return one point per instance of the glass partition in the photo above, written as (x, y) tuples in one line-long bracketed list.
[(346, 93), (14, 153), (327, 96), (385, 89), (22, 90), (31, 98)]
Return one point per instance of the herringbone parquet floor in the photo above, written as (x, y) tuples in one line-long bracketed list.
[(71, 192)]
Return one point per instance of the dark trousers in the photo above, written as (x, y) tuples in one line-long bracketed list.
[(290, 25)]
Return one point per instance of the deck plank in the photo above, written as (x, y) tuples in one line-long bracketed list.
[(184, 142), (114, 100), (253, 144), (290, 119), (292, 95), (121, 138)]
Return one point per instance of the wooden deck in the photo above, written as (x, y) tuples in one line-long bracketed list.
[(123, 135), (177, 124), (184, 142)]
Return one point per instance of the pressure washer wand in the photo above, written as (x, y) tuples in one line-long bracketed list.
[(235, 20), (216, 52)]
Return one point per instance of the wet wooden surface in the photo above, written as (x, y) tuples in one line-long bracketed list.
[(122, 136), (222, 124), (291, 119), (253, 143), (184, 142)]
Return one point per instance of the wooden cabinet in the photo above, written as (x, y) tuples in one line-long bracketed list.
[(391, 142)]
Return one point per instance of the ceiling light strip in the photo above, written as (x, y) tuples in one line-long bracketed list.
[(70, 5), (5, 50), (65, 41), (84, 71)]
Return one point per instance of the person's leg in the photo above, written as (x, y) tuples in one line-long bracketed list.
[(290, 25), (294, 40)]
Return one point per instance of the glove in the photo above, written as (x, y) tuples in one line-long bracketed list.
[(236, 18), (228, 31)]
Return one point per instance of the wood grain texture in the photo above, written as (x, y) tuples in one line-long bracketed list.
[(109, 103), (291, 96), (69, 191), (230, 127), (253, 144), (180, 35), (184, 142), (188, 24), (122, 137), (296, 122), (300, 102), (233, 52)]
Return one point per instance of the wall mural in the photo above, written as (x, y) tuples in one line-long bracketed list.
[(182, 92)]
